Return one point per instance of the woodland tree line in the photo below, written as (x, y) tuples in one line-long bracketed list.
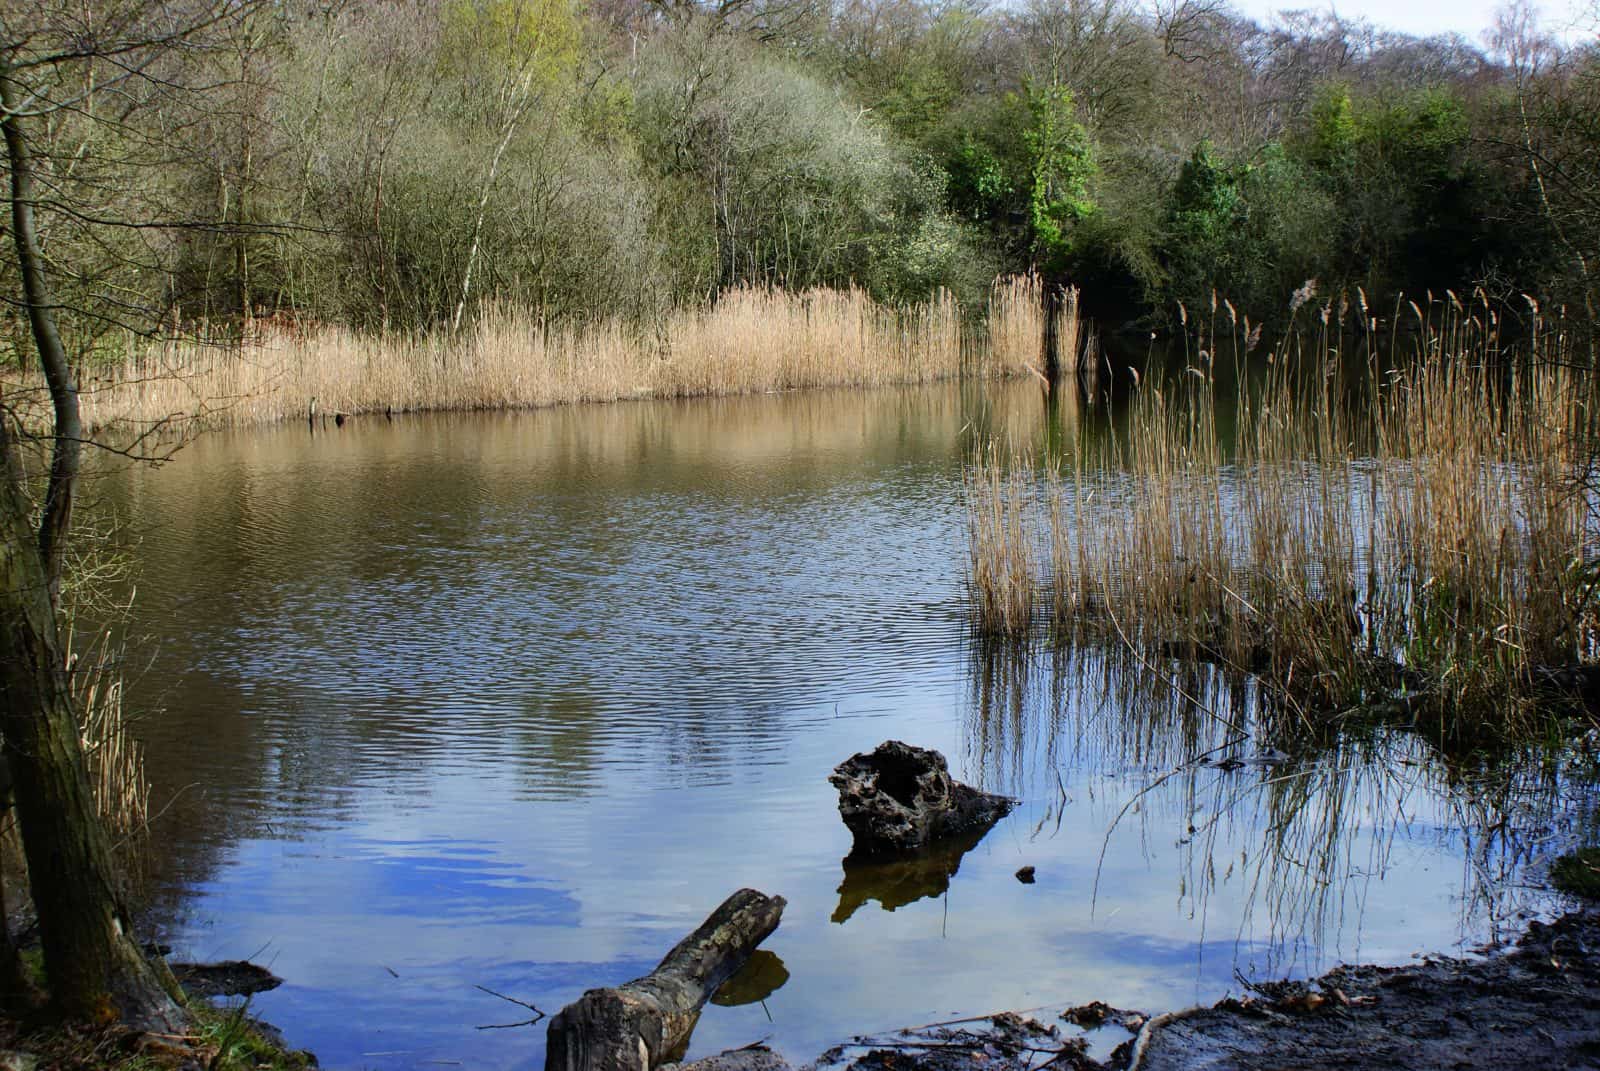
[(397, 163)]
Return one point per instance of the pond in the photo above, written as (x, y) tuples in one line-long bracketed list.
[(513, 701)]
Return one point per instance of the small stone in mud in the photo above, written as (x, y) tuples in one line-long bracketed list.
[(1019, 1026), (1025, 875), (755, 1057)]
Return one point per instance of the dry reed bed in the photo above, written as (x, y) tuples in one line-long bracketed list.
[(751, 340), (1429, 546), (1025, 317), (1000, 564), (114, 757)]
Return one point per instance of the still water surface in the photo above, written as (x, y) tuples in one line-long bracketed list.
[(515, 700)]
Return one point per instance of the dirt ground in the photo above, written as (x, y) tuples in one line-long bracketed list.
[(1534, 1005)]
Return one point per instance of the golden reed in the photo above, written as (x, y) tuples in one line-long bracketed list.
[(1021, 319), (752, 339), (1425, 536)]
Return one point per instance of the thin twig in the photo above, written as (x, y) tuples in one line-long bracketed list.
[(537, 1014)]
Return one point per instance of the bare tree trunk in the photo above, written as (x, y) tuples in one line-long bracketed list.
[(1516, 34), (241, 248), (94, 969), (1052, 335), (1550, 214), (65, 453), (519, 105)]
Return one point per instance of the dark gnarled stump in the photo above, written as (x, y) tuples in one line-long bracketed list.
[(898, 798), (646, 1022)]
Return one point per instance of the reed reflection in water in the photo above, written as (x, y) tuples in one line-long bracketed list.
[(1171, 758)]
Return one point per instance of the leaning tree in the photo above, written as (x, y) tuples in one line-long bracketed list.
[(78, 68)]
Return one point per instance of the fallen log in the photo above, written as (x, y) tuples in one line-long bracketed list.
[(647, 1022)]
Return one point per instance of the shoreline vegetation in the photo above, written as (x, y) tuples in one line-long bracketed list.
[(1410, 534), (752, 340)]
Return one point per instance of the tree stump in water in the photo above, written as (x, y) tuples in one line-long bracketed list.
[(646, 1022), (898, 798)]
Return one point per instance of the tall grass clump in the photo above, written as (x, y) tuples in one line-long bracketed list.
[(113, 755), (1404, 534), (1027, 318), (751, 339), (95, 670), (115, 758), (97, 587), (1000, 557), (1065, 326), (1486, 536)]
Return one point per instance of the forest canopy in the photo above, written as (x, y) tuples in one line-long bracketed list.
[(397, 164)]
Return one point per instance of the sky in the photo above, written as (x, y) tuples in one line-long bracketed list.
[(1470, 18)]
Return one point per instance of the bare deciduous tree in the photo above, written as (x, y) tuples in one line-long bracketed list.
[(57, 63)]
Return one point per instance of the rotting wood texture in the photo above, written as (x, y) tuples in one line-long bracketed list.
[(647, 1022)]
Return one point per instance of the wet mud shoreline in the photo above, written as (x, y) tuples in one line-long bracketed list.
[(1536, 1003)]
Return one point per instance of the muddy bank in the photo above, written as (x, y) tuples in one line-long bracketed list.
[(1537, 1004)]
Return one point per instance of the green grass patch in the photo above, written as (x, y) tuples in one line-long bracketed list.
[(223, 1039)]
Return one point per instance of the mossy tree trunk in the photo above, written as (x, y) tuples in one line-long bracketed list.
[(94, 969)]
